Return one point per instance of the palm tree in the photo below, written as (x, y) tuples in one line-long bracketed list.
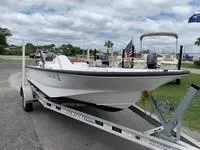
[(197, 42), (109, 45)]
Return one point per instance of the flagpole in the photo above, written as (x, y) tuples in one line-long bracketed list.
[(132, 57), (123, 54)]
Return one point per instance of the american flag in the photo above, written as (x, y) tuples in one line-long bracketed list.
[(128, 51)]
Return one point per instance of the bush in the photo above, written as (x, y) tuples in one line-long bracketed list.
[(197, 62), (12, 52)]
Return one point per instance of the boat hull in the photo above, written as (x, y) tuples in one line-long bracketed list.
[(119, 91)]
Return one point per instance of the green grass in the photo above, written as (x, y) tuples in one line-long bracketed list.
[(188, 65), (174, 93), (18, 61)]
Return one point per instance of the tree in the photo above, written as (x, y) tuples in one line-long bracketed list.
[(109, 45), (30, 48), (4, 33), (66, 49), (70, 50), (3, 43), (52, 47), (197, 42)]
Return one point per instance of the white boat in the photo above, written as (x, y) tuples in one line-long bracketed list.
[(140, 63), (112, 87), (167, 61)]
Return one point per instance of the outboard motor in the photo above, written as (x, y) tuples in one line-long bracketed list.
[(104, 59), (151, 60)]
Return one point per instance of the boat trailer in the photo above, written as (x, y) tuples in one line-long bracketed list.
[(166, 135)]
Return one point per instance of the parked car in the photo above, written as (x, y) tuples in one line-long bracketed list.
[(187, 57)]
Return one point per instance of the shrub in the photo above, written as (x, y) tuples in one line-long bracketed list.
[(13, 52), (197, 62)]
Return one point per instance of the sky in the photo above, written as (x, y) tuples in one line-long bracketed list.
[(89, 23)]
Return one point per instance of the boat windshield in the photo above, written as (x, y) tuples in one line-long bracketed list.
[(50, 56)]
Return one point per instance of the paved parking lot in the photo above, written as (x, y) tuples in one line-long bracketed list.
[(44, 129)]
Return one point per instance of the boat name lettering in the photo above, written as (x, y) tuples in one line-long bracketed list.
[(53, 76), (76, 115), (80, 117)]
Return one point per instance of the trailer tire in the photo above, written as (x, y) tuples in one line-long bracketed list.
[(28, 107), (178, 81)]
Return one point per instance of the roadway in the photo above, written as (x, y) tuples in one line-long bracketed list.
[(194, 71), (44, 129)]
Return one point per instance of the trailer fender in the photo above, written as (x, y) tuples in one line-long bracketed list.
[(27, 93)]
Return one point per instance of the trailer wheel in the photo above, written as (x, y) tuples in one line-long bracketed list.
[(178, 81), (28, 107)]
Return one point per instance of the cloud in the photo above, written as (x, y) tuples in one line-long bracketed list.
[(91, 23)]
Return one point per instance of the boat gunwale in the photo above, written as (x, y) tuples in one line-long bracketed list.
[(114, 74)]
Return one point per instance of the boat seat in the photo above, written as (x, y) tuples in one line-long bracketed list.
[(63, 63), (59, 62)]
